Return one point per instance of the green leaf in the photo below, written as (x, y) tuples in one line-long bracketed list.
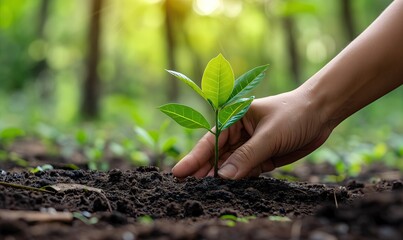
[(139, 158), (188, 81), (218, 81), (247, 82), (169, 144), (232, 113), (185, 116), (11, 133), (42, 168), (145, 219), (164, 126), (144, 137), (229, 217)]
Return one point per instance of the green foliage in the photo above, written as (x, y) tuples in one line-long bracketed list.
[(218, 81), (159, 147), (232, 220), (42, 168), (233, 112), (14, 158), (145, 219), (185, 116), (223, 94), (189, 82), (95, 155), (247, 82), (279, 219), (10, 134)]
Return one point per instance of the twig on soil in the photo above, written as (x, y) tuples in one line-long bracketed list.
[(25, 187), (299, 190), (335, 198)]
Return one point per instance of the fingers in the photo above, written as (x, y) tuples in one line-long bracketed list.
[(203, 171), (247, 158), (197, 160)]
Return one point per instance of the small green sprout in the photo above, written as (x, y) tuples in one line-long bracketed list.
[(10, 135), (231, 220), (161, 146), (223, 94), (42, 168), (145, 219), (279, 219)]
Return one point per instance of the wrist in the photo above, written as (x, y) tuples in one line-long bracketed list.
[(324, 100)]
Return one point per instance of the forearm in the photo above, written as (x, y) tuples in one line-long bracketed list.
[(370, 67)]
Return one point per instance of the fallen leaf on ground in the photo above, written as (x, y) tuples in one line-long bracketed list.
[(61, 187)]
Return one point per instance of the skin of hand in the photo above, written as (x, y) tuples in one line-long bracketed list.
[(276, 131), (281, 129)]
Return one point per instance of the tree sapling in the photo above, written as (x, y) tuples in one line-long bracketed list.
[(224, 95)]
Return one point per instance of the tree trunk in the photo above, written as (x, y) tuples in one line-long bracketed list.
[(42, 17), (347, 19), (291, 43), (91, 88), (172, 87), (40, 67)]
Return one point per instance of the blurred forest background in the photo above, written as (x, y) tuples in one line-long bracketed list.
[(91, 73)]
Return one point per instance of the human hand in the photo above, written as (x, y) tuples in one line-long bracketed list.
[(276, 131)]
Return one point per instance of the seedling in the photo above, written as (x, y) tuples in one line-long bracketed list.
[(10, 135), (223, 94), (145, 219), (231, 220), (160, 146), (42, 168)]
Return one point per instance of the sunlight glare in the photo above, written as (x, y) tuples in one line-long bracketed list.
[(206, 7), (233, 8)]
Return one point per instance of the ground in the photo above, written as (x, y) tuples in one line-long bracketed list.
[(145, 203)]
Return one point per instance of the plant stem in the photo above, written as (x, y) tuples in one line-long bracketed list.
[(217, 134)]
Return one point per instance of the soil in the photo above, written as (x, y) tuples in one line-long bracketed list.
[(144, 203)]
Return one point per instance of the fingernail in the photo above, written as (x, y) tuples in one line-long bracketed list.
[(228, 171)]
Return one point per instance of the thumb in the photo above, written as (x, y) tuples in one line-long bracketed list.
[(246, 158)]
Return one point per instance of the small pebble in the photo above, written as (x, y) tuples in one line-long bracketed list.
[(128, 236), (387, 232), (319, 235), (342, 228), (48, 210), (86, 214)]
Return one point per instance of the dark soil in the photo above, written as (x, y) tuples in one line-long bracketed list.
[(146, 204)]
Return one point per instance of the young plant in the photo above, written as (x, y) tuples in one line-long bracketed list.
[(232, 220), (160, 147), (223, 94)]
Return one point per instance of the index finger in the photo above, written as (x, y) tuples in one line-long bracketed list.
[(197, 158)]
